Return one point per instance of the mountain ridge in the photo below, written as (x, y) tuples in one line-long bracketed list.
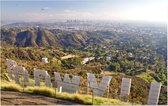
[(38, 37)]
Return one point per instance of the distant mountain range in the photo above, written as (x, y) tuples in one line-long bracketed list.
[(38, 37)]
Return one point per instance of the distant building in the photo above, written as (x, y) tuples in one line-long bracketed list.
[(85, 60), (130, 54), (108, 58), (45, 60)]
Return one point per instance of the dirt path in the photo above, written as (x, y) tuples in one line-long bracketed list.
[(16, 98), (68, 56)]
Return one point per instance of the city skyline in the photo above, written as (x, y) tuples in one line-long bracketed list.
[(125, 10)]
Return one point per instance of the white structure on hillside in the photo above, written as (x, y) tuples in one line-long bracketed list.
[(10, 65), (98, 89), (45, 60), (68, 85), (21, 70), (125, 88), (71, 85), (108, 58), (85, 60), (130, 54), (154, 93), (38, 73)]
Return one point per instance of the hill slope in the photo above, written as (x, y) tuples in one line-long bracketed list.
[(33, 37)]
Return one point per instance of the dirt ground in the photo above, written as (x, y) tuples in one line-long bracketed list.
[(16, 98)]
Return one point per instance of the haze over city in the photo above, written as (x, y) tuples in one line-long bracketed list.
[(125, 10)]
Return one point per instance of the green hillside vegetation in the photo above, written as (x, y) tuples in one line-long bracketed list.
[(119, 54), (147, 77), (31, 58)]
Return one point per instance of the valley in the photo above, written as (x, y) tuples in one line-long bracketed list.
[(138, 52)]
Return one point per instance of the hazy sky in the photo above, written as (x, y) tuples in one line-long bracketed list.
[(143, 10)]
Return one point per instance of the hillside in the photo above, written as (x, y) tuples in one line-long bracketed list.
[(31, 58), (118, 54), (38, 37)]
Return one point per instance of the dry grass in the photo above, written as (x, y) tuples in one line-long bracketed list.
[(147, 77), (50, 92), (10, 86), (40, 91)]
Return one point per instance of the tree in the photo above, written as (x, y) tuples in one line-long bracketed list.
[(115, 66), (71, 63)]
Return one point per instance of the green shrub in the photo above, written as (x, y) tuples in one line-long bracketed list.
[(11, 87), (83, 99), (71, 63), (5, 77), (43, 91)]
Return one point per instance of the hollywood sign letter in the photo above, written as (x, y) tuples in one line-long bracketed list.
[(68, 85), (98, 89), (125, 88), (10, 65), (38, 73), (154, 93), (21, 70)]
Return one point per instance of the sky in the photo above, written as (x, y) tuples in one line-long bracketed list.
[(131, 10)]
